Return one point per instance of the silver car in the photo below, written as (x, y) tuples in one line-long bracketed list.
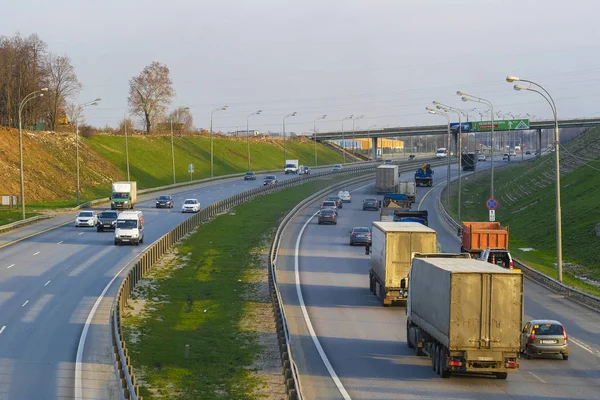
[(544, 336), (360, 235)]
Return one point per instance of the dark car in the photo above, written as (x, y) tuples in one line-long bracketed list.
[(306, 171), (107, 220), (329, 204), (164, 202), (412, 157), (387, 161), (528, 152), (337, 199), (250, 176), (370, 203), (360, 235), (544, 336), (270, 180), (327, 216)]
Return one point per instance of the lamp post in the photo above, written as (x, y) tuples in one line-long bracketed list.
[(126, 147), (211, 138), (78, 111), (458, 112), (315, 131), (248, 133), (284, 147), (30, 96), (432, 111), (172, 142), (467, 97), (353, 129), (343, 140), (369, 141), (550, 100)]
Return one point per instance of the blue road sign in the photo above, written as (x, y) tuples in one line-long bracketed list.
[(491, 204)]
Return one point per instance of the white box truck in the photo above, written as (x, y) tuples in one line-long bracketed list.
[(291, 166), (392, 245), (129, 228), (386, 179), (465, 314), (124, 195)]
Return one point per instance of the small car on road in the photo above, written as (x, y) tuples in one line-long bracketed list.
[(370, 203), (387, 161), (269, 180), (544, 336), (528, 152), (86, 218), (506, 156), (305, 170), (327, 216), (190, 205), (164, 202), (337, 199), (337, 167), (329, 204), (250, 176), (360, 235), (481, 157), (107, 220), (345, 196)]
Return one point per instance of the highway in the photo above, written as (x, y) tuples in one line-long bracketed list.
[(48, 285), (358, 348)]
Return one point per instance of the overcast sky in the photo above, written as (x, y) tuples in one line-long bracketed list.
[(386, 59)]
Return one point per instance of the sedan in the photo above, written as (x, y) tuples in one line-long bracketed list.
[(270, 180), (86, 218), (360, 235), (544, 336), (337, 199), (164, 202), (345, 196), (481, 157), (370, 203), (528, 153), (327, 216), (387, 161), (337, 167), (250, 176), (190, 205), (305, 170), (506, 156), (329, 204)]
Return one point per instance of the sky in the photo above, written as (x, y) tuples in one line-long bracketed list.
[(384, 59)]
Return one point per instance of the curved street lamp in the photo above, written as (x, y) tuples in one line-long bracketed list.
[(550, 100), (343, 139), (315, 137), (27, 98), (436, 112), (77, 113), (211, 137), (284, 147), (353, 127), (248, 133)]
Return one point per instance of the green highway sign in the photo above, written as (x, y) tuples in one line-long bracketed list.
[(501, 125)]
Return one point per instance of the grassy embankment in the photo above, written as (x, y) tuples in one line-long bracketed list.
[(9, 216), (526, 193), (206, 296)]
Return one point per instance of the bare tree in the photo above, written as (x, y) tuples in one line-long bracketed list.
[(62, 84), (126, 123), (150, 93), (182, 118)]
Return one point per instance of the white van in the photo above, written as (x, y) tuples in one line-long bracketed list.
[(441, 152), (130, 228)]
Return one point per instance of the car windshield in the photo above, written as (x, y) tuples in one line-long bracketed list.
[(270, 177), (361, 230), (327, 211), (290, 165), (127, 223), (166, 198), (337, 166), (306, 168), (120, 195), (108, 215), (548, 329), (370, 200), (328, 203), (86, 214), (249, 173), (190, 202)]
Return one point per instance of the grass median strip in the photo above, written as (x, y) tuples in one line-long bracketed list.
[(211, 293)]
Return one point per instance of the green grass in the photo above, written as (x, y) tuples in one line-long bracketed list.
[(10, 216), (530, 213), (219, 274), (150, 159)]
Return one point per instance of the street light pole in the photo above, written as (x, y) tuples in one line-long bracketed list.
[(467, 97), (172, 142), (353, 129), (284, 146), (77, 113), (248, 133), (315, 137), (126, 148), (432, 111), (550, 100), (211, 138), (30, 96), (343, 140)]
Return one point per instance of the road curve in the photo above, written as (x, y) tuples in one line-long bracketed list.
[(48, 285), (365, 343)]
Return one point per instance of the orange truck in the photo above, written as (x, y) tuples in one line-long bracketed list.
[(477, 236)]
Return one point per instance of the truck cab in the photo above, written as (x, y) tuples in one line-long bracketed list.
[(291, 167)]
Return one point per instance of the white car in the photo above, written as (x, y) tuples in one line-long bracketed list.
[(345, 196), (190, 205), (481, 157), (86, 218)]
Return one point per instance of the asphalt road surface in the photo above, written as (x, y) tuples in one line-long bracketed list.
[(359, 350)]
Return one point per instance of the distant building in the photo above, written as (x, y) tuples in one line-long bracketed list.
[(247, 133)]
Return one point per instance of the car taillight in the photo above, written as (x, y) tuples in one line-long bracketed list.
[(511, 264), (368, 234), (511, 364), (453, 363), (564, 334), (532, 337), (354, 235)]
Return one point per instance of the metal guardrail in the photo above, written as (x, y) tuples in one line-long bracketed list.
[(534, 275), (27, 221)]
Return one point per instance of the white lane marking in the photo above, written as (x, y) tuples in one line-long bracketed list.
[(80, 233), (311, 330), (10, 266), (47, 283), (36, 253), (86, 328), (584, 346), (59, 242), (24, 304), (2, 329), (538, 378)]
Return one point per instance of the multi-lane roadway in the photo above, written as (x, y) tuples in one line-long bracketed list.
[(347, 346)]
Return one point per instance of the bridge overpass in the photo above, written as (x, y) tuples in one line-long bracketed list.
[(443, 129)]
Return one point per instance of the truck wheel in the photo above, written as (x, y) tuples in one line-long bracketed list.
[(371, 285), (434, 358), (501, 375), (98, 229), (444, 373), (408, 332)]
